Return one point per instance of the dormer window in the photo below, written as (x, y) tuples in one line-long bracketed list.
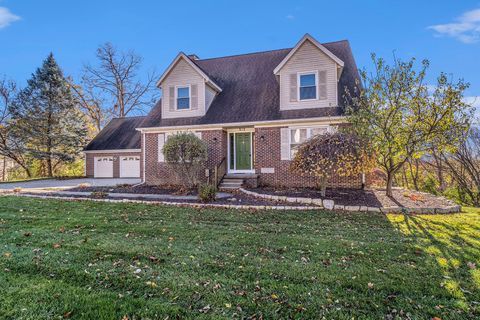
[(307, 90), (183, 98)]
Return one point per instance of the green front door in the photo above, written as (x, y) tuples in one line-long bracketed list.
[(243, 150)]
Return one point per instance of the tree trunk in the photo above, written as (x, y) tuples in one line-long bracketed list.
[(323, 186), (390, 176), (4, 169), (49, 166)]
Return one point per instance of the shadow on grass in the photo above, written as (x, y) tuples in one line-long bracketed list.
[(230, 263), (452, 242)]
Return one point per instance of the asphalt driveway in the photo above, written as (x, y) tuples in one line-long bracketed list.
[(65, 184)]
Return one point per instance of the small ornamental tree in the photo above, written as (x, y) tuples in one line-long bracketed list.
[(186, 154), (325, 155)]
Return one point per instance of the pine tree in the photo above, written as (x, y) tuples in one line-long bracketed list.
[(47, 119)]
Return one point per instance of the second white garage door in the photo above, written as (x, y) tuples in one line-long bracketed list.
[(130, 167), (103, 167)]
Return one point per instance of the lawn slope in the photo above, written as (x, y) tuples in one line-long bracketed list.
[(85, 260)]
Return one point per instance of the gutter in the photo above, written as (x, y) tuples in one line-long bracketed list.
[(329, 120)]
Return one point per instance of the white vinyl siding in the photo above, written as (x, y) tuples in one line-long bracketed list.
[(308, 58), (182, 75), (209, 96)]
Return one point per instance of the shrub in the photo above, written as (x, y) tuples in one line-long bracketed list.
[(207, 192), (328, 154), (186, 154)]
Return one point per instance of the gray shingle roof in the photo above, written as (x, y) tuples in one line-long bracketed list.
[(250, 92), (119, 133)]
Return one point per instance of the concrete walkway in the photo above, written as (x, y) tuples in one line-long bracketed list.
[(67, 183)]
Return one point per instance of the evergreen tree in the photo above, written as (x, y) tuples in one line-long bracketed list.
[(46, 117)]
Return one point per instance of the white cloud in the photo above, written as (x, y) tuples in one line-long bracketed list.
[(6, 17), (290, 17), (466, 28)]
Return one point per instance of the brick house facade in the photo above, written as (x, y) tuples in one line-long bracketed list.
[(252, 111)]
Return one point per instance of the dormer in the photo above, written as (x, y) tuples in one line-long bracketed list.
[(308, 76), (187, 91)]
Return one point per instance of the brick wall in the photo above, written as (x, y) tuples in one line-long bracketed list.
[(90, 164), (268, 156), (158, 173)]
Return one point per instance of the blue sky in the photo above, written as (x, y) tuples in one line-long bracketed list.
[(445, 32)]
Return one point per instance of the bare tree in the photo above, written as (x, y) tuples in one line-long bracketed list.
[(91, 104), (10, 147), (115, 83), (464, 166)]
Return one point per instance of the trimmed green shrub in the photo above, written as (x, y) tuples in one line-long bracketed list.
[(186, 154), (207, 192)]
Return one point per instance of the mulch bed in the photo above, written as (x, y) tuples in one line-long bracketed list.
[(236, 199), (142, 189), (368, 198)]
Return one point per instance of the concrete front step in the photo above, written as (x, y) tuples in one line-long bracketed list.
[(225, 188)]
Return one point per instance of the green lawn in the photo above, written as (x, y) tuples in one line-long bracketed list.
[(83, 260)]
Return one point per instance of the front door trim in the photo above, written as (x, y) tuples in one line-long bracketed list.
[(234, 131)]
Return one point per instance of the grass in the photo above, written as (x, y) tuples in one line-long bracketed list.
[(84, 260)]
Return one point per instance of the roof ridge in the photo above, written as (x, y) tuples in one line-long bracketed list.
[(260, 52), (131, 117), (343, 40), (244, 54)]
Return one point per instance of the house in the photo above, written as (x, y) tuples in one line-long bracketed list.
[(252, 110)]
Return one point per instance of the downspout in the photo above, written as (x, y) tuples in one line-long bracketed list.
[(143, 160)]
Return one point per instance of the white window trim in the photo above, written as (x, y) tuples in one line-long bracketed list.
[(189, 97), (160, 155), (309, 134), (299, 85)]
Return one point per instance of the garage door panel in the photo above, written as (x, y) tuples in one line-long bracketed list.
[(130, 167), (103, 167)]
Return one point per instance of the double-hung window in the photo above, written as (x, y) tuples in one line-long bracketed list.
[(183, 98), (307, 89), (300, 135)]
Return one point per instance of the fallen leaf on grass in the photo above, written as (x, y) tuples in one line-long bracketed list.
[(471, 265), (370, 285), (67, 315), (151, 284), (56, 245), (27, 234), (7, 254), (205, 309)]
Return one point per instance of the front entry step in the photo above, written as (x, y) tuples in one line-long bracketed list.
[(234, 181), (231, 183)]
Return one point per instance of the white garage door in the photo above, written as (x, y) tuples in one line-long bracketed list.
[(130, 167), (103, 167)]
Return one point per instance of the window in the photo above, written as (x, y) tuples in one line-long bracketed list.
[(183, 98), (300, 135), (308, 86)]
